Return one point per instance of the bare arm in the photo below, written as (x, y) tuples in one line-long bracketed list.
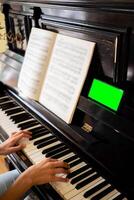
[(43, 172)]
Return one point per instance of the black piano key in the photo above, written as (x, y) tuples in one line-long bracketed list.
[(59, 155), (24, 114), (16, 117), (52, 148), (4, 99), (28, 124), (37, 129), (119, 197), (37, 138), (82, 176), (40, 141), (95, 189), (68, 160), (78, 171), (76, 162), (86, 181), (55, 151), (39, 134), (21, 117), (14, 111), (7, 105), (103, 193), (43, 131), (43, 144)]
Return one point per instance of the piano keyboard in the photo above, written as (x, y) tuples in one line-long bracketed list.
[(84, 182)]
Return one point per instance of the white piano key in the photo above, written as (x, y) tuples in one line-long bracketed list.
[(66, 190), (7, 124), (13, 108), (37, 159), (82, 190), (68, 187), (74, 160), (3, 97), (114, 196), (27, 120), (32, 127), (102, 189), (30, 145), (15, 114), (34, 156), (78, 166), (71, 194), (109, 195), (5, 102), (66, 156)]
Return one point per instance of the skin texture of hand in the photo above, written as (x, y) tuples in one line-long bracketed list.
[(13, 143), (47, 171), (44, 172)]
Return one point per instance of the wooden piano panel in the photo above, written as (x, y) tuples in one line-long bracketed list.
[(110, 26), (18, 27), (105, 45)]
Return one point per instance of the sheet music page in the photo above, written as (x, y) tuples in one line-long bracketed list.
[(35, 62), (66, 74)]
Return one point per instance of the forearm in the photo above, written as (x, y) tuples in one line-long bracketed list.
[(44, 172), (19, 187)]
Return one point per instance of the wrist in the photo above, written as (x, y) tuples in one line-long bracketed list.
[(27, 177), (30, 175)]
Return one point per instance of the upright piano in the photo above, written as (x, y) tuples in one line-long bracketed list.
[(99, 143)]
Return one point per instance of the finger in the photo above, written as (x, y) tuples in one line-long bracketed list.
[(51, 160), (60, 171), (23, 131), (60, 163), (13, 133), (16, 148), (27, 132), (17, 138), (59, 179), (48, 160)]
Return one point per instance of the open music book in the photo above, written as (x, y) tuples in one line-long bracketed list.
[(54, 70)]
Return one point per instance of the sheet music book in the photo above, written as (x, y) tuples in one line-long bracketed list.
[(54, 70)]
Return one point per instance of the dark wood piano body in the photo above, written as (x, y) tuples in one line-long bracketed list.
[(110, 145)]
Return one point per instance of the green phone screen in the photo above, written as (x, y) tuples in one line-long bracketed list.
[(106, 94)]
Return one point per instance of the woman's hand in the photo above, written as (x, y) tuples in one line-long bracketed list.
[(13, 143), (44, 172), (48, 170)]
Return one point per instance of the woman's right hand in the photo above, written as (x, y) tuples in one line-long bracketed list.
[(47, 171)]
